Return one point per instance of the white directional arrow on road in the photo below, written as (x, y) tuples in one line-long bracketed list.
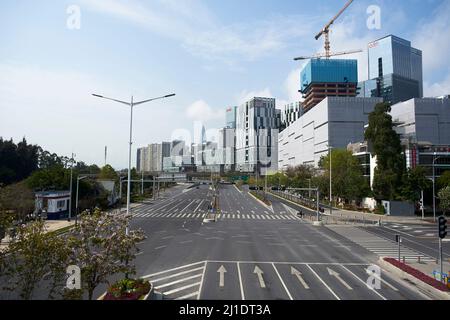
[(259, 272), (222, 272), (298, 274), (337, 276)]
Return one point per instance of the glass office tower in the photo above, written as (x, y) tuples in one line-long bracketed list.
[(395, 70)]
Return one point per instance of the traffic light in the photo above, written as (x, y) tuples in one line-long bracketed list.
[(442, 227)]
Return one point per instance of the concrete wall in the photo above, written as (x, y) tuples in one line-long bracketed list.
[(337, 121)]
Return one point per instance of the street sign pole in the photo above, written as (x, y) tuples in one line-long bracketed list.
[(399, 240), (440, 260)]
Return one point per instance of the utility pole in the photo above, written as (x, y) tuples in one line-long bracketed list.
[(331, 194), (142, 182), (70, 199)]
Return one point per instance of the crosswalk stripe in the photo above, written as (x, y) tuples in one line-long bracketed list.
[(190, 295), (182, 288)]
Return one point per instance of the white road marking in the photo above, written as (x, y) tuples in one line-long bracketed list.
[(240, 282), (161, 247), (222, 272), (259, 274), (338, 277), (175, 275), (182, 288), (178, 281), (198, 206), (370, 288), (282, 282), (323, 282), (190, 295), (298, 275)]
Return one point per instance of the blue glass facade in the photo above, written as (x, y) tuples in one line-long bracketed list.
[(329, 71), (395, 70), (230, 117)]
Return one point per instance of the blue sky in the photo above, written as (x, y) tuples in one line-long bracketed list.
[(212, 54)]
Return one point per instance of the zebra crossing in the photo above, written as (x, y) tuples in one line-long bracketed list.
[(380, 246), (182, 283), (223, 217)]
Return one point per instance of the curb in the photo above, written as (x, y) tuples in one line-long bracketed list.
[(261, 202), (422, 285)]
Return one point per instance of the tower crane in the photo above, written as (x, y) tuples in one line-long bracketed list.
[(322, 55), (326, 30)]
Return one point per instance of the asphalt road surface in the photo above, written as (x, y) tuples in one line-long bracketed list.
[(252, 252)]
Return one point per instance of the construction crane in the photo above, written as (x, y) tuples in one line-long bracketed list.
[(322, 55), (326, 30)]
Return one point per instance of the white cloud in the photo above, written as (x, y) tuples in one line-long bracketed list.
[(201, 33), (437, 89), (201, 111), (292, 85), (433, 39)]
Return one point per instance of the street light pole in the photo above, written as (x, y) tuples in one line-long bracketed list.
[(131, 104), (70, 199), (434, 188), (331, 201), (76, 202)]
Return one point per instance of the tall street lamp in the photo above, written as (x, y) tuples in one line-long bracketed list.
[(434, 188), (71, 175), (331, 193), (131, 104), (76, 202)]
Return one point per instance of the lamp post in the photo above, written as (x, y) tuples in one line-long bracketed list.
[(331, 193), (76, 202), (434, 188), (71, 175), (131, 104)]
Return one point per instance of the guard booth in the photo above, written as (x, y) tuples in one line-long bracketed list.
[(52, 205)]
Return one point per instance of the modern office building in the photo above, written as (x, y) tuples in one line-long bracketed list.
[(335, 122), (230, 117), (290, 114), (424, 128), (226, 149), (395, 71), (257, 126), (322, 78)]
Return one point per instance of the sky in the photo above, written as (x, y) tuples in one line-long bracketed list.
[(213, 54)]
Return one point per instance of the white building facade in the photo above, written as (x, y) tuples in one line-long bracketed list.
[(335, 122)]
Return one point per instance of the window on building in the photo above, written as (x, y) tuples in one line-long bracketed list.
[(380, 67), (60, 204)]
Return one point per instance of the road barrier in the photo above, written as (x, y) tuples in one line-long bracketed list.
[(327, 219)]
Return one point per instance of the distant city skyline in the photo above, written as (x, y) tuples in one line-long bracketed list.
[(213, 54)]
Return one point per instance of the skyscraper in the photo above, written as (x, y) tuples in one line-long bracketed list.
[(257, 125), (395, 70)]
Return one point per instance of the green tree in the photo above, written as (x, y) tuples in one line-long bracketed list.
[(444, 199), (17, 200), (108, 173), (348, 181), (17, 161), (298, 176), (387, 147), (55, 177), (415, 180), (444, 180)]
